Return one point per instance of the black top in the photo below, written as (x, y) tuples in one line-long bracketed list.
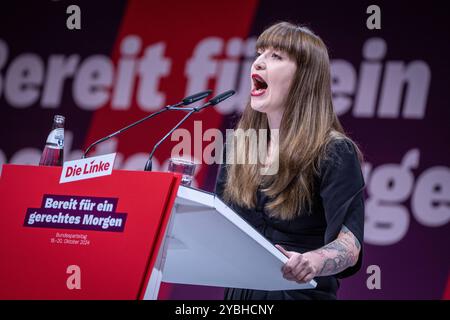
[(337, 201)]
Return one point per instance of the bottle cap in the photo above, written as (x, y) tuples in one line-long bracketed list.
[(59, 118)]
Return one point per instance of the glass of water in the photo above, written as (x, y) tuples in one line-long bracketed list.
[(184, 167)]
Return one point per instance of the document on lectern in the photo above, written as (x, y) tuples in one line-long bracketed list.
[(209, 244)]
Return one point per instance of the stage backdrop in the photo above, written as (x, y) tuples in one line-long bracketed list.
[(130, 58)]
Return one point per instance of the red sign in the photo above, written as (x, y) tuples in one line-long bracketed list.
[(88, 239)]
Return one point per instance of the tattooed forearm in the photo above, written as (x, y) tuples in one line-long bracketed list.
[(339, 254)]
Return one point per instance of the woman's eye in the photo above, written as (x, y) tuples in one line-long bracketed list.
[(276, 56), (257, 54)]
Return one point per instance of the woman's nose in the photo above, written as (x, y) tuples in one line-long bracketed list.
[(259, 64)]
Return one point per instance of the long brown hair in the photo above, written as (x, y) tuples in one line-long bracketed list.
[(308, 125)]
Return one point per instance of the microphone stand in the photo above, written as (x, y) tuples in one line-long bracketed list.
[(166, 108), (186, 101), (212, 102), (148, 165)]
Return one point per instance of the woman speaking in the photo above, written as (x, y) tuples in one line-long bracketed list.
[(312, 208)]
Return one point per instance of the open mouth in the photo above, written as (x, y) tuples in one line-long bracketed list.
[(259, 85)]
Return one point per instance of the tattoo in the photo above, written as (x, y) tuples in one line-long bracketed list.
[(345, 230), (339, 254)]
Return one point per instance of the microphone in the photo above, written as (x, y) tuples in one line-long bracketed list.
[(217, 99), (186, 101), (195, 97)]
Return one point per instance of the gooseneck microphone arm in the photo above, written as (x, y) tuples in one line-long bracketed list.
[(217, 99), (126, 128), (148, 164), (186, 101)]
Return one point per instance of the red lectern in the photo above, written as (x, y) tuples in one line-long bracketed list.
[(90, 239)]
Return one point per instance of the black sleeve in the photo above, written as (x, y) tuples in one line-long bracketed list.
[(221, 179), (341, 191), (221, 175)]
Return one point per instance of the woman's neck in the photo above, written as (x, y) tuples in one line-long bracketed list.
[(273, 143), (274, 119)]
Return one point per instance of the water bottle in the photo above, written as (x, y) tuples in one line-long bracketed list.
[(54, 147)]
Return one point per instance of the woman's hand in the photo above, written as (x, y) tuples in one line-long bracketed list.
[(301, 268), (331, 259)]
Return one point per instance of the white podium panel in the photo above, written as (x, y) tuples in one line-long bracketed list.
[(207, 243)]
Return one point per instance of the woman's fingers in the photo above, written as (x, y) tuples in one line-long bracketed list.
[(292, 263), (289, 276), (284, 251), (297, 268), (308, 277), (302, 274)]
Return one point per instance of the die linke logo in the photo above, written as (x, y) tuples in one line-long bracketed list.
[(87, 168), (75, 212)]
